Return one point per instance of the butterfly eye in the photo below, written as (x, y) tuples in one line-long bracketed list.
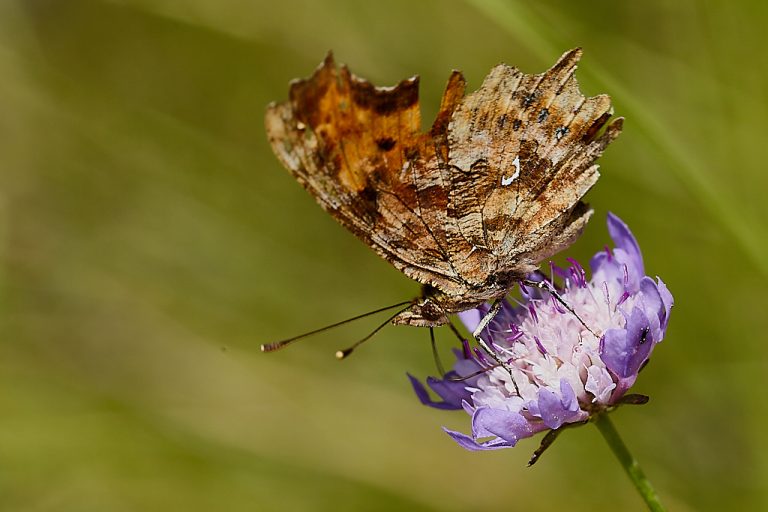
[(431, 311)]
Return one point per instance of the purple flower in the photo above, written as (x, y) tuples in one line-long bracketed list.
[(567, 358)]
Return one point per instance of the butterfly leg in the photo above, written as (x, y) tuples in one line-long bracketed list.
[(490, 315), (455, 331), (495, 308), (435, 354)]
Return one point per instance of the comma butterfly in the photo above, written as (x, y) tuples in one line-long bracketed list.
[(468, 208)]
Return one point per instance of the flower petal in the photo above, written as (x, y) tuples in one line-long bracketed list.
[(470, 444), (625, 350), (471, 319), (605, 268), (555, 410), (651, 297), (509, 426), (452, 392), (666, 297), (599, 383), (627, 250), (653, 306), (451, 399), (568, 396), (625, 240)]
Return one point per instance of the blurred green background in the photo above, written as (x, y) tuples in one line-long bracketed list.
[(150, 241)]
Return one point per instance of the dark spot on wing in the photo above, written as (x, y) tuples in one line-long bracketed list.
[(516, 124), (543, 115), (366, 204), (368, 194), (386, 143), (500, 122), (528, 100)]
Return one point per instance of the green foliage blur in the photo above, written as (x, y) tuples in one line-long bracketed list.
[(150, 242)]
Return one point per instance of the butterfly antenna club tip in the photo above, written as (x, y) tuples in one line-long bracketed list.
[(271, 347), (343, 354)]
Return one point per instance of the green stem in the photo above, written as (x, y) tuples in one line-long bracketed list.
[(629, 463)]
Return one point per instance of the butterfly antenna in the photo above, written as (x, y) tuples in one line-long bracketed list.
[(455, 331), (435, 354), (277, 345), (343, 354)]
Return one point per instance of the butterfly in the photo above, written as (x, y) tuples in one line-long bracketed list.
[(468, 208)]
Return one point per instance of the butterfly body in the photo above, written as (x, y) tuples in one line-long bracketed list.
[(471, 206)]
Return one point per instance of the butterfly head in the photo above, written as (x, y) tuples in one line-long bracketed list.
[(424, 312), (428, 310)]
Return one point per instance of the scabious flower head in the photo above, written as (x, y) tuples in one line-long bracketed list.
[(566, 358)]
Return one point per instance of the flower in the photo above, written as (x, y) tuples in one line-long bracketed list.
[(569, 352)]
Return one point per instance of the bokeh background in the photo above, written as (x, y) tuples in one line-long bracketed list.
[(150, 242)]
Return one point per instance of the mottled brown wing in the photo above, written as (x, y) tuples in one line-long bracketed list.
[(493, 188), (359, 151), (521, 153)]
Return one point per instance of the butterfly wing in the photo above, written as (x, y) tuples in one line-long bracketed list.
[(490, 190), (359, 151), (522, 155)]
